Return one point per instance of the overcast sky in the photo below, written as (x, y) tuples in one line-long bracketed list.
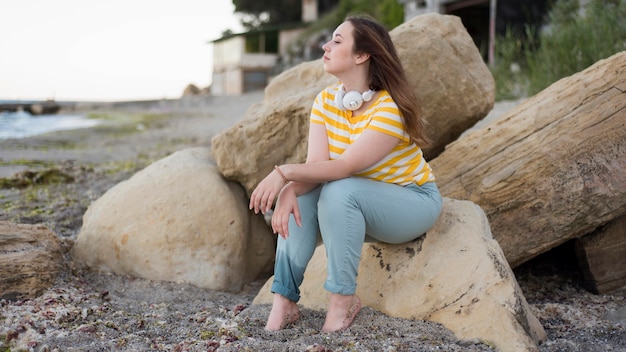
[(110, 50)]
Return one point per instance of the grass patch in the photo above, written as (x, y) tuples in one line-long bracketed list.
[(26, 162), (29, 178), (118, 124), (126, 166), (148, 119), (8, 206), (572, 41)]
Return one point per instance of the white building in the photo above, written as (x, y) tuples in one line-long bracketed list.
[(243, 62)]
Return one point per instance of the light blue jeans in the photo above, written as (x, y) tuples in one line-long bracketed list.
[(348, 212)]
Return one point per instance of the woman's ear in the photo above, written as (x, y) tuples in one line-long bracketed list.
[(361, 57)]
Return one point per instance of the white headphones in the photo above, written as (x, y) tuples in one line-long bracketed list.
[(352, 100)]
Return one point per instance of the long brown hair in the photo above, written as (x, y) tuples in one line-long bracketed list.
[(386, 72)]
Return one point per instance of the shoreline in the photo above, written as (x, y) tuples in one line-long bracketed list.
[(124, 131), (15, 125)]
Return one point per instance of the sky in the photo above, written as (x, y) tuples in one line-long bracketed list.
[(113, 50)]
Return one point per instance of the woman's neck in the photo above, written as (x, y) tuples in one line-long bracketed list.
[(357, 81), (357, 87)]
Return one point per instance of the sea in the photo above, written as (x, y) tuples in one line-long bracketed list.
[(22, 124)]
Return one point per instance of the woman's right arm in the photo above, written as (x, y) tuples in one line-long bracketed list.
[(287, 203), (317, 151)]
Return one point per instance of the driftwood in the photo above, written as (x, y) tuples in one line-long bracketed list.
[(550, 170), (30, 259), (602, 258)]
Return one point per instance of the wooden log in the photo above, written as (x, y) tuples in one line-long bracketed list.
[(550, 170), (30, 260), (602, 258)]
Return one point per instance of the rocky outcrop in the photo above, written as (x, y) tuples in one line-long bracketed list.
[(30, 260), (446, 70), (456, 275), (194, 91), (177, 220), (191, 90), (551, 169)]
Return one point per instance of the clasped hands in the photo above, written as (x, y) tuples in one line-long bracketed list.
[(266, 191), (263, 197)]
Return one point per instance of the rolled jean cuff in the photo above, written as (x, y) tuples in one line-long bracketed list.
[(340, 289), (285, 292)]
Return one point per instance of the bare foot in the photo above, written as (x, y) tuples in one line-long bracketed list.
[(341, 312), (283, 313)]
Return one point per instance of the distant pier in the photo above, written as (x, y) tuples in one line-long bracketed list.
[(38, 108)]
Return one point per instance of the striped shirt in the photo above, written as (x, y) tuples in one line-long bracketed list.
[(404, 165)]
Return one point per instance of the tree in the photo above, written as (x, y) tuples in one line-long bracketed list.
[(257, 14), (389, 12)]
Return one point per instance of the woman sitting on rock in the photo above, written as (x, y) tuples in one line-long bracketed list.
[(364, 174)]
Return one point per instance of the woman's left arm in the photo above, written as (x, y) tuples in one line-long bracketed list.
[(370, 148)]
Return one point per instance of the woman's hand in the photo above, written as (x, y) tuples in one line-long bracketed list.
[(266, 191), (286, 205)]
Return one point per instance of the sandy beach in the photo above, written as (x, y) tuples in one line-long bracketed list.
[(91, 311)]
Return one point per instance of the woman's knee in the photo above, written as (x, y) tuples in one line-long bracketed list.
[(338, 192)]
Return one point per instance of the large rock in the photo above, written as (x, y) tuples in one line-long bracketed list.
[(443, 65), (551, 169), (455, 275), (177, 220), (455, 87), (30, 260)]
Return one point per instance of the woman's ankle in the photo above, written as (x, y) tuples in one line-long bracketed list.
[(283, 313), (342, 309)]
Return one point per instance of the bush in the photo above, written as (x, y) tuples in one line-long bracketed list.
[(572, 41), (507, 70)]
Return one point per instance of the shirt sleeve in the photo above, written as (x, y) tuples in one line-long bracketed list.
[(317, 115), (387, 120)]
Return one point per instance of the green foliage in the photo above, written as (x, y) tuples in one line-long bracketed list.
[(260, 14), (30, 178), (389, 12), (573, 41), (510, 82), (25, 162)]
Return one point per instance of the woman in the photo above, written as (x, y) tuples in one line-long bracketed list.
[(364, 174)]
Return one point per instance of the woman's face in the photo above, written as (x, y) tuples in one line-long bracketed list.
[(338, 56)]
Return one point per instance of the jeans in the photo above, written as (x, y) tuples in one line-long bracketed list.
[(348, 212)]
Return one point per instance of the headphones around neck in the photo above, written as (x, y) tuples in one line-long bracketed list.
[(352, 100)]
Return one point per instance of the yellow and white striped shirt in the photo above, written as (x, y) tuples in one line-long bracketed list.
[(404, 165)]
